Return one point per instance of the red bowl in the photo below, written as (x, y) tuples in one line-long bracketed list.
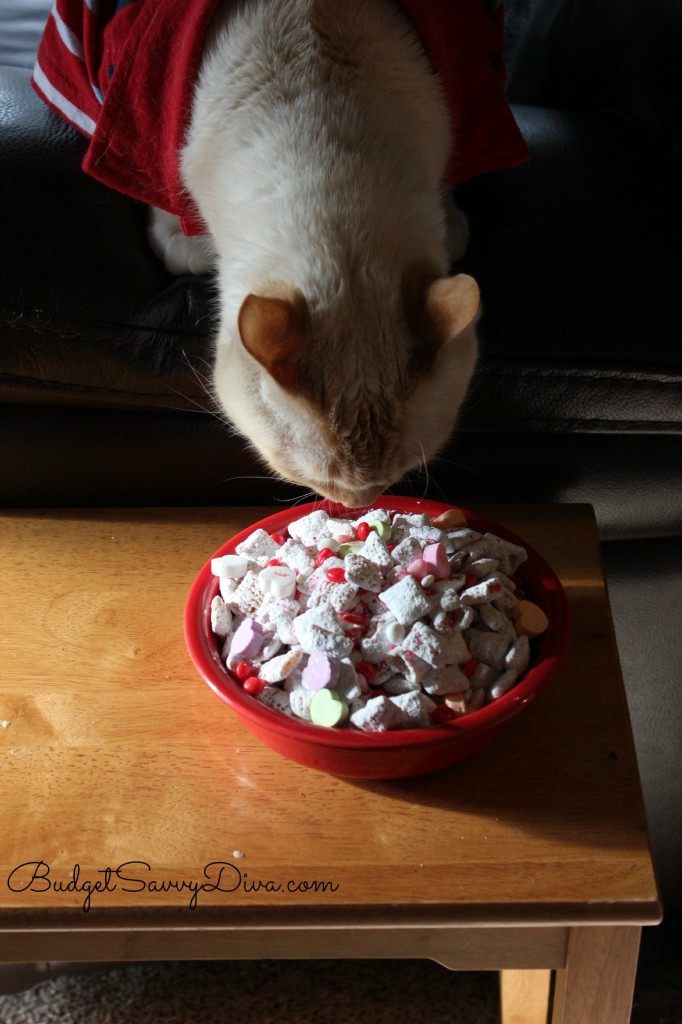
[(388, 755)]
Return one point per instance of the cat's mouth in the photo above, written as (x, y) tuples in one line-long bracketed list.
[(351, 497)]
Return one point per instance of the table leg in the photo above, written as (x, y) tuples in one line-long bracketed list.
[(597, 983), (524, 996)]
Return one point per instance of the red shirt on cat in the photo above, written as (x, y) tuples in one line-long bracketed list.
[(101, 72)]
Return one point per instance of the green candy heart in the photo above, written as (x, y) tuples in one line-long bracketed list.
[(327, 708), (351, 547), (382, 528)]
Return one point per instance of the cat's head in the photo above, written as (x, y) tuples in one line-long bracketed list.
[(346, 400)]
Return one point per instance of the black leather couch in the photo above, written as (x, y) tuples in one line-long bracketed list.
[(578, 396)]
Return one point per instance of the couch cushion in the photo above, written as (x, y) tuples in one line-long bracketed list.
[(21, 26)]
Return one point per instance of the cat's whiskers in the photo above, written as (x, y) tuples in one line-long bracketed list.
[(202, 379), (199, 408), (468, 469), (419, 472), (236, 479), (298, 499), (212, 408), (423, 467)]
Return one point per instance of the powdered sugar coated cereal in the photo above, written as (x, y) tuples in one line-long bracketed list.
[(383, 622)]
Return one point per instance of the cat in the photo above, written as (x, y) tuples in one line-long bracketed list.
[(315, 154), (313, 143)]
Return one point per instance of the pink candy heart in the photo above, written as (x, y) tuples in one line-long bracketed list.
[(418, 568), (436, 561), (320, 673), (247, 640), (433, 561)]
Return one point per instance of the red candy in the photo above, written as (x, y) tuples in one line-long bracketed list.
[(243, 670), (277, 537), (254, 685), (336, 575), (362, 531), (442, 714), (322, 556), (274, 561), (470, 580), (470, 667)]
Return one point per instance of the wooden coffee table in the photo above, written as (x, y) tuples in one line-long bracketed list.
[(140, 821)]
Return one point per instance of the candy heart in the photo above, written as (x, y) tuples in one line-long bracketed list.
[(321, 671), (229, 566), (436, 561), (418, 568), (383, 529), (327, 708), (529, 619), (353, 547), (278, 580), (451, 519), (247, 640)]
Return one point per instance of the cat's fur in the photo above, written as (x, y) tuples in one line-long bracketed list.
[(315, 155)]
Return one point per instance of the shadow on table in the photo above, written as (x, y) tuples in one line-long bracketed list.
[(579, 795)]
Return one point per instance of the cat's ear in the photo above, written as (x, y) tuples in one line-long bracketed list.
[(451, 305), (273, 330), (439, 309)]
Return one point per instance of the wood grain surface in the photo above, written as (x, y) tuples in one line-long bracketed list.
[(124, 778)]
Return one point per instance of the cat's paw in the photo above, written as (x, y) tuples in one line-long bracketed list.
[(181, 254)]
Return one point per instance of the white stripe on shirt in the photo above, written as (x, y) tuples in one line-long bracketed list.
[(66, 107), (69, 38)]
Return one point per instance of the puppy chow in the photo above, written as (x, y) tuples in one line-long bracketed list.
[(394, 650)]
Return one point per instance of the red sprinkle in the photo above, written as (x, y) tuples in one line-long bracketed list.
[(470, 580), (243, 670), (494, 587), (354, 618), (336, 575), (469, 667), (362, 530), (322, 556), (254, 685)]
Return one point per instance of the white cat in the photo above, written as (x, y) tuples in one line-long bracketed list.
[(316, 153)]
